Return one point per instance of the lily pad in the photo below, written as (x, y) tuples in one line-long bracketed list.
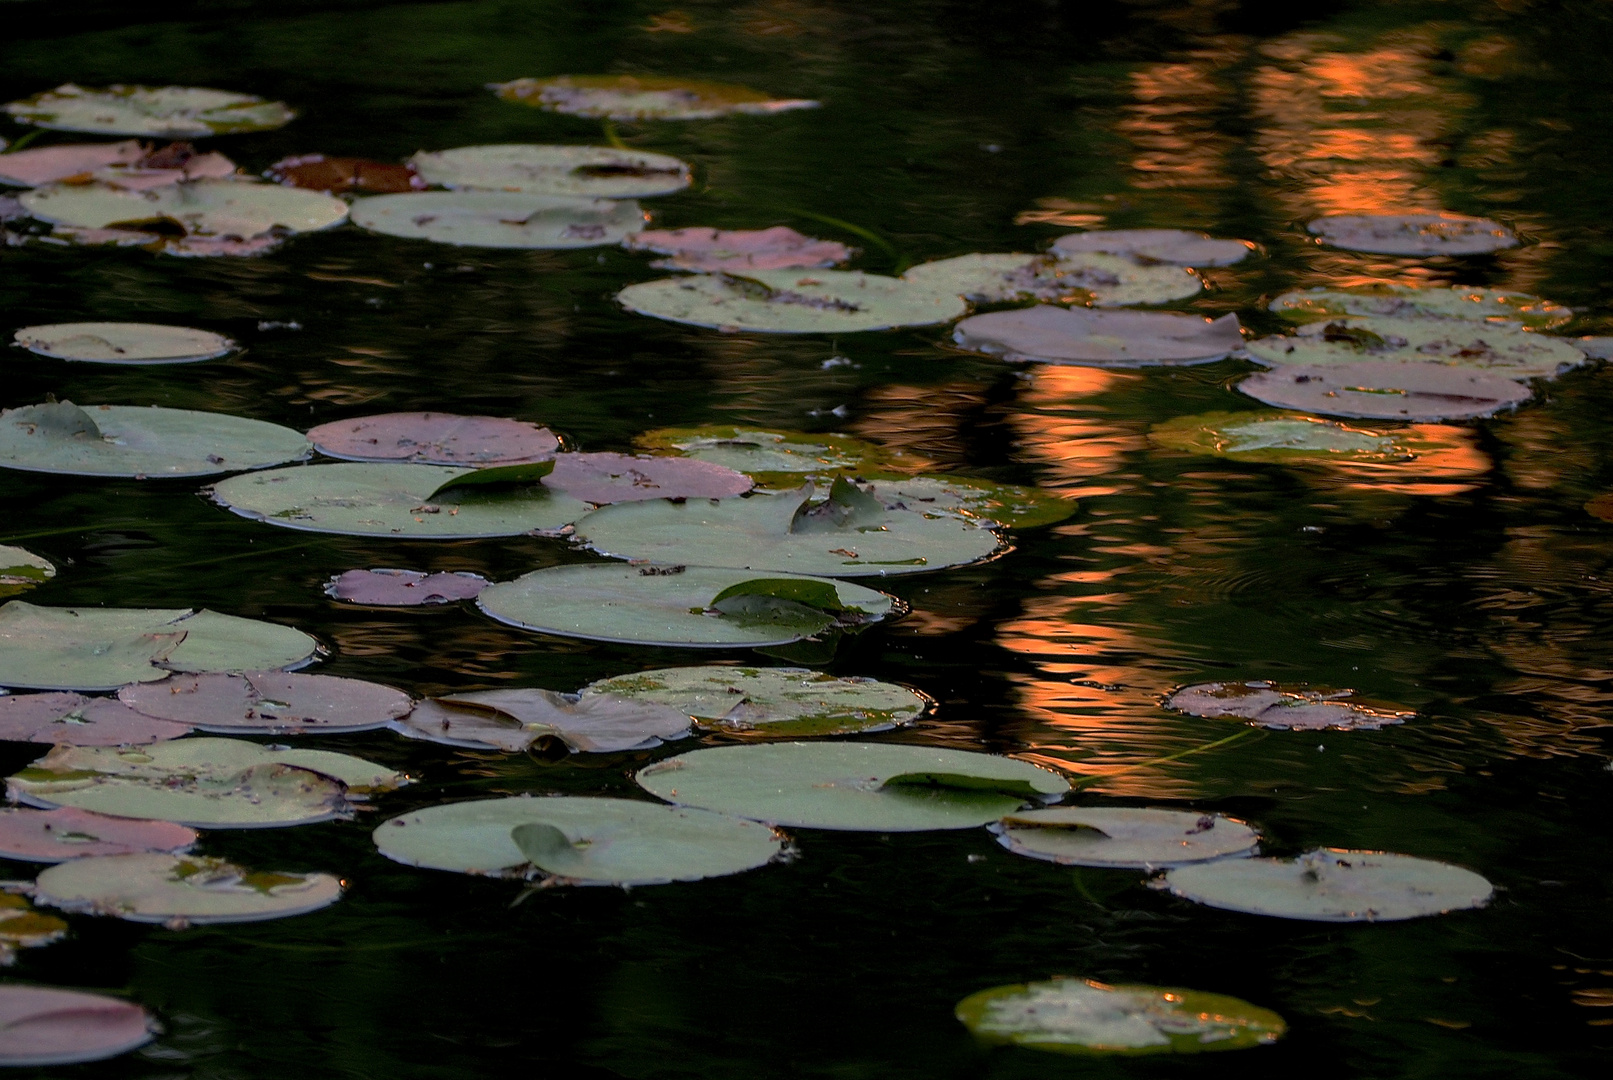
[(1266, 704), (614, 478), (21, 927), (48, 648), (435, 438), (773, 457), (514, 719), (65, 718), (642, 97), (128, 165), (738, 251), (124, 343), (972, 499), (1332, 885), (1292, 438), (172, 111), (409, 501), (1079, 278), (500, 219), (207, 210), (340, 175), (588, 172), (182, 890), (792, 302), (404, 588), (51, 836), (872, 787), (1459, 343), (1413, 234), (1386, 391), (673, 605), (1082, 1016), (44, 1026), (22, 570), (1058, 335), (268, 703), (1123, 836), (141, 443), (584, 841), (1422, 301), (769, 702), (1178, 246)]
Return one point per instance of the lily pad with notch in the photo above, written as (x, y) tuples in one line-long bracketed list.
[(124, 343), (435, 438), (22, 570), (52, 836), (63, 718), (588, 172), (404, 588), (172, 111), (642, 97), (1123, 837), (1413, 234), (774, 458), (182, 890), (1470, 302), (1077, 278), (1266, 704), (140, 443), (1496, 348), (43, 1026), (1179, 247), (516, 719), (1386, 391), (267, 703), (500, 219), (603, 478), (792, 301), (1056, 335), (738, 251)]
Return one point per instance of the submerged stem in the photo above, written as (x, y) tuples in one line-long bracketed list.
[(1234, 737), (610, 134), (902, 263), (24, 141)]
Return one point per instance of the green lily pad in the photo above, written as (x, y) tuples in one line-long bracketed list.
[(1392, 390), (1056, 335), (410, 501), (1332, 885), (777, 458), (515, 719), (22, 570), (1292, 438), (589, 172), (1082, 1016), (44, 1026), (21, 927), (181, 890), (176, 112), (872, 787), (206, 209), (1499, 349), (45, 648), (124, 343), (1123, 836), (668, 605), (971, 499), (1178, 246), (792, 301), (1422, 301), (769, 702), (1413, 234), (500, 219), (1266, 704), (205, 755), (642, 97), (1079, 278)]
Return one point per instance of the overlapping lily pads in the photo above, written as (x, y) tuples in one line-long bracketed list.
[(1058, 335), (172, 111), (1496, 348), (1469, 302), (124, 343), (642, 97), (51, 836), (21, 927), (22, 570), (1386, 390), (1178, 246), (1123, 836), (792, 301), (1289, 438), (66, 718), (592, 172), (182, 890), (435, 438), (1266, 704), (968, 497), (515, 719), (267, 703), (140, 442), (43, 1026), (873, 787), (738, 251), (404, 588), (1079, 277), (131, 165), (1413, 234), (616, 478), (500, 219), (774, 458), (229, 211)]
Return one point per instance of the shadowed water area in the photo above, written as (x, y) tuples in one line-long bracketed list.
[(1475, 590)]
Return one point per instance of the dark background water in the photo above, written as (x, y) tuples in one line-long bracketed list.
[(1477, 593)]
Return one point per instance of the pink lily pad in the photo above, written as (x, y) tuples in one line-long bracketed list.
[(613, 478), (736, 250), (66, 718), (269, 702), (435, 438), (41, 1025), (128, 164), (1419, 392), (404, 588), (52, 836)]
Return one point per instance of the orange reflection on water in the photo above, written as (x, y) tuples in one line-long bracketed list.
[(1451, 464), (928, 422), (1172, 125), (1075, 439)]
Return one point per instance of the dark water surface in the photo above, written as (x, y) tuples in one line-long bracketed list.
[(1478, 592)]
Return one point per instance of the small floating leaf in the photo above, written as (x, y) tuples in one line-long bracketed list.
[(1100, 338), (1499, 349), (51, 836), (1413, 234), (779, 458), (1080, 278), (435, 438), (1266, 704), (500, 219), (268, 703), (22, 570), (1123, 836), (525, 474), (192, 889), (641, 97), (172, 111), (124, 343), (65, 718), (1178, 246), (807, 591), (514, 719), (614, 478), (44, 1026), (128, 441), (21, 927), (588, 172), (1422, 301), (340, 175), (738, 251), (404, 588), (1294, 438), (792, 301), (1386, 391)]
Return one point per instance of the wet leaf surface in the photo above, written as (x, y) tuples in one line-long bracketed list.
[(22, 570), (775, 458), (1268, 705), (1178, 246), (1413, 234), (738, 251), (584, 172), (792, 302), (514, 719), (124, 343), (435, 438), (970, 498), (500, 219), (172, 111), (616, 478), (1499, 349), (47, 1026), (1077, 278), (1386, 391), (50, 836), (641, 97), (1123, 836), (216, 212), (1414, 301), (404, 588), (65, 718), (267, 703), (1296, 439), (1099, 338), (181, 890)]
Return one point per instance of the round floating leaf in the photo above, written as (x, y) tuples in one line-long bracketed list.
[(1293, 439), (792, 301), (1081, 1016), (404, 588), (873, 787), (641, 97), (411, 501), (435, 438), (590, 172), (1386, 391), (22, 570), (1123, 836), (781, 458), (1332, 885), (1084, 277), (1268, 705), (43, 1026), (738, 251), (673, 605), (129, 441), (340, 175), (173, 111), (124, 343), (769, 702), (515, 719), (1496, 348), (21, 927), (65, 718), (1422, 301), (218, 210), (614, 478), (268, 703), (1413, 234), (972, 499), (1100, 338), (1176, 246), (500, 219), (50, 836), (47, 648), (181, 890), (46, 164)]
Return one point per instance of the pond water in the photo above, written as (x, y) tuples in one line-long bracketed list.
[(1477, 592)]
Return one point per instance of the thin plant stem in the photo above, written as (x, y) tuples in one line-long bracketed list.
[(611, 135), (1189, 752), (24, 141), (856, 230)]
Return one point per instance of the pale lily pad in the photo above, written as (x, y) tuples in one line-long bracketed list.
[(972, 499), (268, 703), (1058, 335), (872, 787), (1123, 836), (779, 458), (1499, 349), (792, 301), (1266, 704), (500, 219), (172, 111), (340, 175), (770, 702), (514, 719), (1422, 301), (208, 210), (404, 588), (68, 719), (140, 442), (589, 172), (182, 890), (1413, 234), (435, 438), (585, 841), (47, 648), (1080, 278), (22, 570), (129, 165), (45, 1026), (738, 251), (675, 605), (1332, 885), (1386, 391), (1178, 246), (21, 927), (1293, 438), (51, 836), (408, 501), (642, 97), (614, 478), (1082, 1016), (849, 534), (124, 343)]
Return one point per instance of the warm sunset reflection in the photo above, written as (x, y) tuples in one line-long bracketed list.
[(1172, 124), (1076, 440), (928, 422), (1453, 464)]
